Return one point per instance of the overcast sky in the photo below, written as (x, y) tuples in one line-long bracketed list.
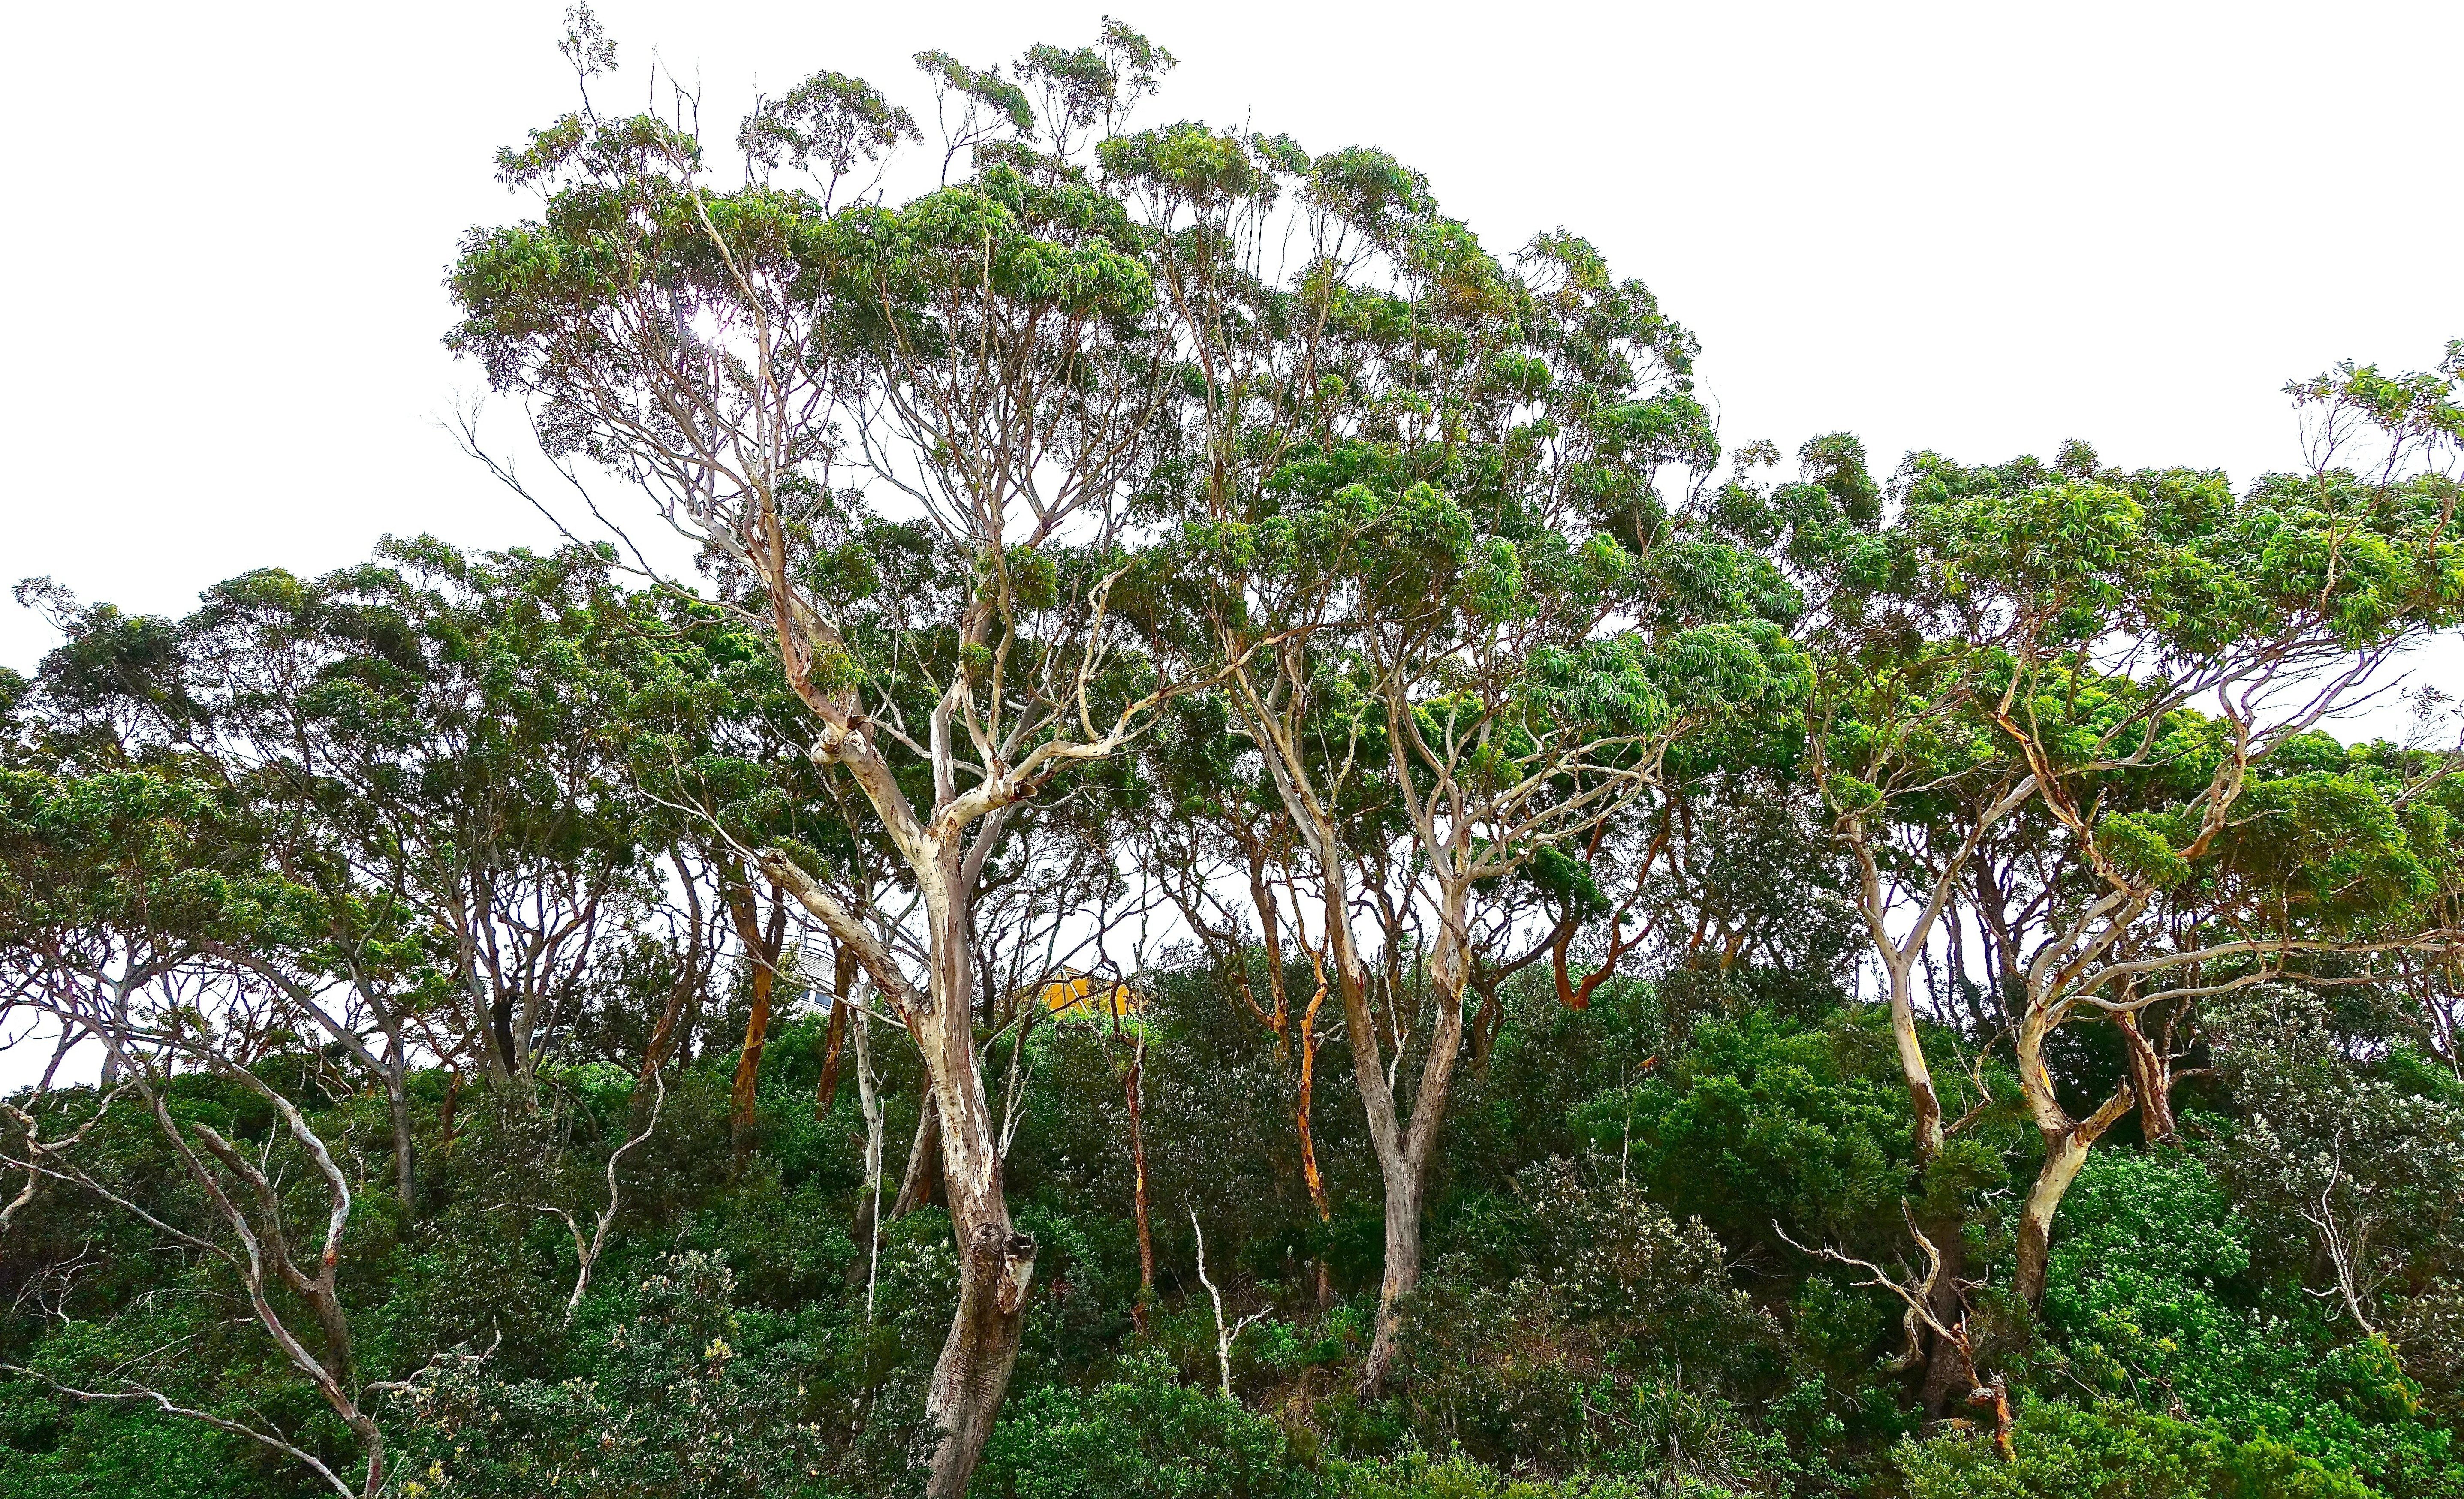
[(1978, 228)]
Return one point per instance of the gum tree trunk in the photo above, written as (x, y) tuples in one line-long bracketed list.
[(996, 1262), (1404, 1155), (2067, 1143), (826, 1089), (764, 941)]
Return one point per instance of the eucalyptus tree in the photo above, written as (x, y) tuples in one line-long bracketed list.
[(1425, 543), (912, 430), (118, 885), (710, 730), (434, 732), (2085, 692), (124, 691)]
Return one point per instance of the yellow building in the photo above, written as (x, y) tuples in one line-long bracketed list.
[(1083, 996)]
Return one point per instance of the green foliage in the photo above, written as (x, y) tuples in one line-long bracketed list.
[(2114, 1452), (1141, 1434), (1399, 586), (2150, 1290), (681, 1394)]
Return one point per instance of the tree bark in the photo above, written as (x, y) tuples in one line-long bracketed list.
[(1404, 1153), (923, 1161), (2067, 1143), (690, 978), (1925, 1102), (2151, 1079), (995, 1268), (2066, 1151), (1950, 1373), (1402, 1277), (406, 1177), (1303, 1110), (1386, 1138), (1133, 1086), (996, 1262), (764, 941), (825, 1092)]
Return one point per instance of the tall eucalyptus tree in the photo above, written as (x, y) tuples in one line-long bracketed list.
[(912, 431), (1425, 543), (2075, 702)]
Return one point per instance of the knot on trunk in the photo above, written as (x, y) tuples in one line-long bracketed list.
[(1003, 1262)]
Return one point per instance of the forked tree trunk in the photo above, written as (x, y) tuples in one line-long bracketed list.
[(2065, 1153), (996, 1262), (2151, 1078), (2067, 1143), (1405, 1154)]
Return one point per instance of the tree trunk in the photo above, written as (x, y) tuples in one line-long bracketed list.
[(996, 1262), (763, 942), (2067, 1143), (995, 1268), (825, 1092), (923, 1160), (406, 1178), (1401, 1278), (2066, 1151), (1405, 1164), (1303, 1108), (1385, 1136), (662, 1037), (2151, 1078), (1949, 1372), (690, 975), (508, 1046), (689, 1025), (445, 1113), (2065, 1154), (868, 1088), (1924, 1101), (1134, 1085)]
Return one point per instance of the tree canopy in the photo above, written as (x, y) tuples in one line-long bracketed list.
[(1244, 857)]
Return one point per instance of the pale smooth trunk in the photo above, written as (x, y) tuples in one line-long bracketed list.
[(996, 1262), (2067, 1143), (2065, 1154), (1405, 1164), (406, 1179)]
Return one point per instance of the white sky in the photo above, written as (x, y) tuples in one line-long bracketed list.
[(1980, 228)]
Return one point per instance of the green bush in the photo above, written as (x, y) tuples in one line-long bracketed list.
[(2114, 1452), (2151, 1296), (1141, 1435)]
